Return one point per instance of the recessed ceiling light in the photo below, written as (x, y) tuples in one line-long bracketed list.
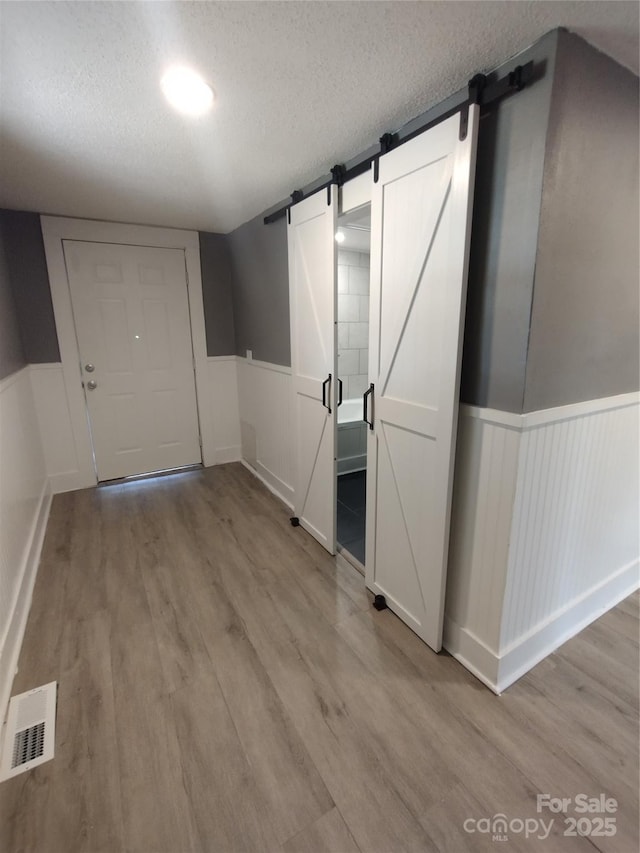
[(186, 91), (339, 237)]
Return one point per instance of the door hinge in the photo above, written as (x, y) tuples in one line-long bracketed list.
[(200, 440)]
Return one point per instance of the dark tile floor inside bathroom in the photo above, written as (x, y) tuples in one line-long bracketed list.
[(352, 489)]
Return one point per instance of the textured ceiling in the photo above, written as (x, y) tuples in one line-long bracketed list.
[(300, 86)]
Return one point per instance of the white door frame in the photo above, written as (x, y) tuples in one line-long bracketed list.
[(55, 229)]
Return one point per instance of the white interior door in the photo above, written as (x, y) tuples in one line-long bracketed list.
[(312, 299), (420, 229), (131, 313)]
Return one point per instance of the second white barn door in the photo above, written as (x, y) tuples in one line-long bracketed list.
[(131, 313), (420, 229), (312, 299)]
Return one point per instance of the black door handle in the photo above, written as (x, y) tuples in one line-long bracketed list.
[(339, 392), (324, 393), (365, 407)]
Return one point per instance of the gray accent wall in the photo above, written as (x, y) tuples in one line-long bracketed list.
[(259, 263), (30, 282), (215, 263), (12, 357), (508, 189), (584, 340), (24, 266), (508, 194)]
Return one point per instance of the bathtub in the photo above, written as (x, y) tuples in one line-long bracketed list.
[(352, 437), (350, 411)]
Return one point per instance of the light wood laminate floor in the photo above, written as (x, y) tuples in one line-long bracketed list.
[(224, 686)]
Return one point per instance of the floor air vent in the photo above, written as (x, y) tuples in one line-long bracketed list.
[(29, 737)]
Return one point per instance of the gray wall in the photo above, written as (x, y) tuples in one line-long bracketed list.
[(585, 322), (261, 290), (508, 188), (215, 262), (506, 216), (24, 266), (12, 355), (30, 283)]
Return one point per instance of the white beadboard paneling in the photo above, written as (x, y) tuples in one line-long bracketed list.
[(24, 507), (530, 420), (219, 417), (564, 623), (485, 479), (544, 530), (224, 410), (265, 421), (56, 430), (575, 514)]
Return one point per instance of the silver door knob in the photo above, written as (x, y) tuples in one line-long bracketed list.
[(89, 367), (92, 385)]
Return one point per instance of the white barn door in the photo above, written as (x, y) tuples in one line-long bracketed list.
[(312, 299), (420, 229), (131, 315)]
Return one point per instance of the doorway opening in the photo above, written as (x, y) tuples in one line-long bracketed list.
[(354, 249)]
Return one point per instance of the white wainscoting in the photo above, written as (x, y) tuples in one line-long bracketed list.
[(219, 418), (25, 500), (56, 429), (544, 535), (223, 416), (484, 489), (265, 424)]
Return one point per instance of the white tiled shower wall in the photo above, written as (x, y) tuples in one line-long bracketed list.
[(353, 322)]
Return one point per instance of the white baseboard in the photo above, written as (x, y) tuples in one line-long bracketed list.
[(471, 652), (544, 534), (276, 486), (529, 650), (500, 671), (228, 454), (10, 651), (70, 481)]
